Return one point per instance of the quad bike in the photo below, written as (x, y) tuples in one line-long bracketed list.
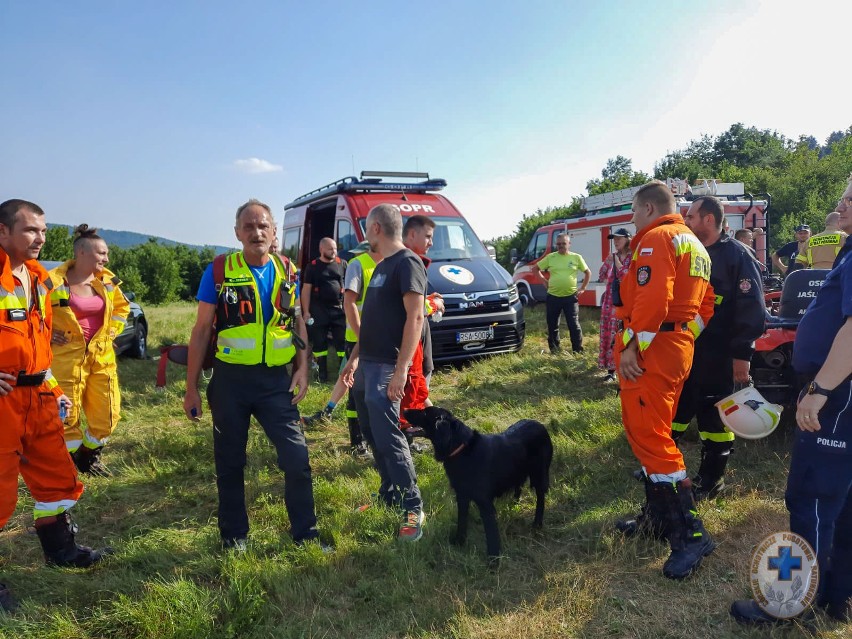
[(772, 362)]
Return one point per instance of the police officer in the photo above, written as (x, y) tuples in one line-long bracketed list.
[(819, 486), (322, 303), (258, 330), (724, 349)]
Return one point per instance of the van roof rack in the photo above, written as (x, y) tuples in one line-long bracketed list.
[(371, 181)]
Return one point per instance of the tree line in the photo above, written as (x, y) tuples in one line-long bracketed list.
[(156, 273), (804, 178)]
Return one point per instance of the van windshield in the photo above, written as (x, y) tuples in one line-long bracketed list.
[(453, 239)]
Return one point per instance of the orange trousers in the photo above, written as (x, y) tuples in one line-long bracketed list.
[(648, 404), (32, 445), (416, 390)]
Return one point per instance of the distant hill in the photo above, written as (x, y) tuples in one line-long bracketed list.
[(128, 239)]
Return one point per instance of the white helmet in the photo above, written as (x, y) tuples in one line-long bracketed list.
[(748, 415)]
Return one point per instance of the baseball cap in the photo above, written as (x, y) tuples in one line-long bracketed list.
[(803, 227), (619, 233)]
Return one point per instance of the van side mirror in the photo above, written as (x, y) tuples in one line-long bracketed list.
[(513, 256), (491, 251), (130, 295)]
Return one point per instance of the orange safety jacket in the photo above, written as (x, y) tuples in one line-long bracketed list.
[(668, 282), (25, 332)]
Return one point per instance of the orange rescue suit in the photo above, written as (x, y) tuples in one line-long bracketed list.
[(667, 300), (31, 433)]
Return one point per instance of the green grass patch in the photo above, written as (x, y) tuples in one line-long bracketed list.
[(576, 578)]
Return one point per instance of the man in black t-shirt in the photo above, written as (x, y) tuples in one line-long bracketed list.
[(322, 303), (791, 250), (391, 327)]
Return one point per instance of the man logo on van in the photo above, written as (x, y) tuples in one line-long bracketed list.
[(456, 274)]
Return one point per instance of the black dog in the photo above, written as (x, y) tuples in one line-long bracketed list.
[(483, 467)]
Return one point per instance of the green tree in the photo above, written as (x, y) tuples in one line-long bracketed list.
[(617, 174), (57, 244), (122, 262), (159, 270)]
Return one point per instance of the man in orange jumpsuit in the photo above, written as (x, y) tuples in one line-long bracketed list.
[(665, 301), (31, 436)]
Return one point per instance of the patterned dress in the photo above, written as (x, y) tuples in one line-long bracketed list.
[(607, 273)]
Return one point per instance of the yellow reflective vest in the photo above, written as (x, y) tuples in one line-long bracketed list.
[(368, 265), (242, 337)]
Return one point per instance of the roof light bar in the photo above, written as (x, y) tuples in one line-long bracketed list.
[(352, 184)]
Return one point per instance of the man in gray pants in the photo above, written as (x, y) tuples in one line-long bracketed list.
[(391, 326)]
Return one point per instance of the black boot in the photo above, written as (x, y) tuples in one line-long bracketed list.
[(688, 539), (56, 535), (7, 601), (650, 522), (322, 369), (710, 480), (88, 461)]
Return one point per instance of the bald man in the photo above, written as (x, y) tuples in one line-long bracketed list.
[(322, 303), (823, 247)]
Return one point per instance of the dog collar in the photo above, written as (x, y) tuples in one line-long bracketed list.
[(456, 451)]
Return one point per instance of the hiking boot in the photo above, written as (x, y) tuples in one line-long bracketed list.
[(56, 535), (710, 480), (7, 601), (688, 540), (649, 522), (747, 612), (318, 418), (412, 525), (88, 461), (711, 492), (238, 545)]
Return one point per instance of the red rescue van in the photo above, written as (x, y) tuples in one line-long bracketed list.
[(483, 313)]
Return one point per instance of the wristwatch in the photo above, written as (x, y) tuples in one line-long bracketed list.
[(815, 389)]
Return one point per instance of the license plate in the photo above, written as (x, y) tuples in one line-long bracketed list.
[(481, 335)]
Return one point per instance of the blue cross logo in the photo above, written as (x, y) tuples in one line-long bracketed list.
[(785, 563), (454, 270)]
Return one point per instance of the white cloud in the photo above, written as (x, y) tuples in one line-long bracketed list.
[(256, 165)]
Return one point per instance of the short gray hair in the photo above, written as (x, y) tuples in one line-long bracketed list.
[(389, 219), (253, 202)]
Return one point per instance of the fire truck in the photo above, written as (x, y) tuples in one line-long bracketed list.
[(602, 214)]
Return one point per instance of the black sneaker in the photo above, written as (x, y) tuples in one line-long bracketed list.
[(362, 451), (238, 545), (318, 418), (747, 612)]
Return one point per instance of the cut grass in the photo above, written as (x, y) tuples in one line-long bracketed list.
[(576, 578)]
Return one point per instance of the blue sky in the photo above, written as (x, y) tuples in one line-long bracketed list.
[(162, 117)]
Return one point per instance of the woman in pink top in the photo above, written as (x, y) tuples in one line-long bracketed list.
[(89, 311), (614, 268)]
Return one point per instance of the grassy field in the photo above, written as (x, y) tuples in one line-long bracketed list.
[(576, 578)]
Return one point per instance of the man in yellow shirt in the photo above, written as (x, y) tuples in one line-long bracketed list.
[(823, 247), (562, 269)]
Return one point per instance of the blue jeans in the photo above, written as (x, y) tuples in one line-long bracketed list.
[(379, 419)]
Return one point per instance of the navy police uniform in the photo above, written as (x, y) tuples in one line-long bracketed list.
[(819, 487), (738, 320)]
